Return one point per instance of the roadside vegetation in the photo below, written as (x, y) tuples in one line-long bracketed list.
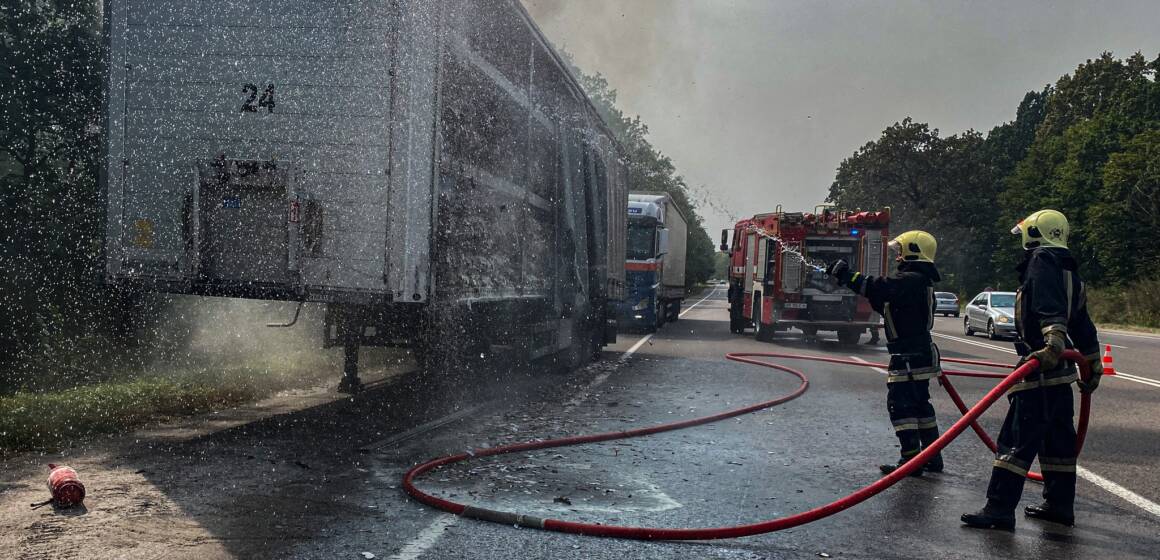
[(1134, 305), (1087, 145), (47, 420)]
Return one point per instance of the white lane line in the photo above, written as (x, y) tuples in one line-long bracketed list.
[(644, 341), (1132, 335), (1144, 380), (975, 343), (635, 347), (1125, 494), (1120, 374), (690, 308), (426, 539), (877, 369)]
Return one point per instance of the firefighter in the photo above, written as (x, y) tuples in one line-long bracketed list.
[(906, 302), (1050, 309)]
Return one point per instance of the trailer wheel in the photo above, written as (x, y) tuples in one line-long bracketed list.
[(849, 335), (675, 311)]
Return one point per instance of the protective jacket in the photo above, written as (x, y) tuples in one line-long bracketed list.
[(906, 302), (1052, 296)]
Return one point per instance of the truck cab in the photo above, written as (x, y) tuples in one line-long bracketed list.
[(654, 261)]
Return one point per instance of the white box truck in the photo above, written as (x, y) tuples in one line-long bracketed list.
[(654, 261), (428, 168)]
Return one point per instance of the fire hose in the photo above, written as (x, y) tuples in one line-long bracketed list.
[(969, 418)]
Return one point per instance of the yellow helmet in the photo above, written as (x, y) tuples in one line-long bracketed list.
[(915, 246), (1045, 228)]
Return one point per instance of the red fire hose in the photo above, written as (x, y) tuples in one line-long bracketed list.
[(655, 533)]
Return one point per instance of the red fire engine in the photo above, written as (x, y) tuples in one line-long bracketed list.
[(772, 288)]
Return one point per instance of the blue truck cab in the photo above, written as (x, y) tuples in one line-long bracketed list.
[(654, 261)]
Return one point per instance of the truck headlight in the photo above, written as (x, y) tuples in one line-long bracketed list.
[(1004, 319)]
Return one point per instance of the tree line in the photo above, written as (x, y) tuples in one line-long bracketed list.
[(1087, 145)]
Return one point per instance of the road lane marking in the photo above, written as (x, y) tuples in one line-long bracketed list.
[(1125, 494), (426, 539), (877, 369), (635, 347), (1144, 380), (975, 343), (711, 292), (1133, 335), (1119, 373)]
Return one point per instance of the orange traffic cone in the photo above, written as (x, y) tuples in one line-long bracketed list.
[(1109, 369)]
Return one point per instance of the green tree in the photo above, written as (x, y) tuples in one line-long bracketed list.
[(923, 178), (49, 240), (1091, 115)]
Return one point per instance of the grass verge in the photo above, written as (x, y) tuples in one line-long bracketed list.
[(48, 420), (1127, 328)]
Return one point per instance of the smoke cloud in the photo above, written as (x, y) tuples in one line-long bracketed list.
[(761, 100)]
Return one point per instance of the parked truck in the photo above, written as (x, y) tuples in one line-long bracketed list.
[(777, 277), (655, 260), (429, 170)]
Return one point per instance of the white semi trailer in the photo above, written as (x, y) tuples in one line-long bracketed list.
[(430, 169)]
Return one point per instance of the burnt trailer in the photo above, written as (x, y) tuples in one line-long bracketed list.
[(429, 169)]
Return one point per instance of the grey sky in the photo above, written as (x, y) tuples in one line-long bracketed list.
[(761, 100)]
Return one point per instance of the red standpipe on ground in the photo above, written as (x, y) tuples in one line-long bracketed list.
[(657, 533)]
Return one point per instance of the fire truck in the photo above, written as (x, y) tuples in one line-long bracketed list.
[(777, 277)]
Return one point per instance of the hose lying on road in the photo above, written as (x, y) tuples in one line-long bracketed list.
[(655, 533)]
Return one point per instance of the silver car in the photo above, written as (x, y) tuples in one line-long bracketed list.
[(992, 313), (946, 303)]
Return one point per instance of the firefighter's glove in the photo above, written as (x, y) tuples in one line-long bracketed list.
[(1096, 371), (1054, 342), (840, 271)]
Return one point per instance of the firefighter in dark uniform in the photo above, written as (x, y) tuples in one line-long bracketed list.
[(1050, 315), (906, 302)]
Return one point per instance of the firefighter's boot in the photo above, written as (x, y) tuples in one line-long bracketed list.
[(1047, 512), (990, 517), (928, 436), (887, 469)]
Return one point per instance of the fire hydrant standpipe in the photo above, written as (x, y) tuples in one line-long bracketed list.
[(657, 533)]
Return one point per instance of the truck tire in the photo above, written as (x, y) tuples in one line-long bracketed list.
[(849, 335), (736, 321), (675, 311)]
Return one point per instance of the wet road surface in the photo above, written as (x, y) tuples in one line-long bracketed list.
[(324, 481)]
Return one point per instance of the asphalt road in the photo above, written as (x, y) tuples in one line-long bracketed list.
[(324, 481)]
